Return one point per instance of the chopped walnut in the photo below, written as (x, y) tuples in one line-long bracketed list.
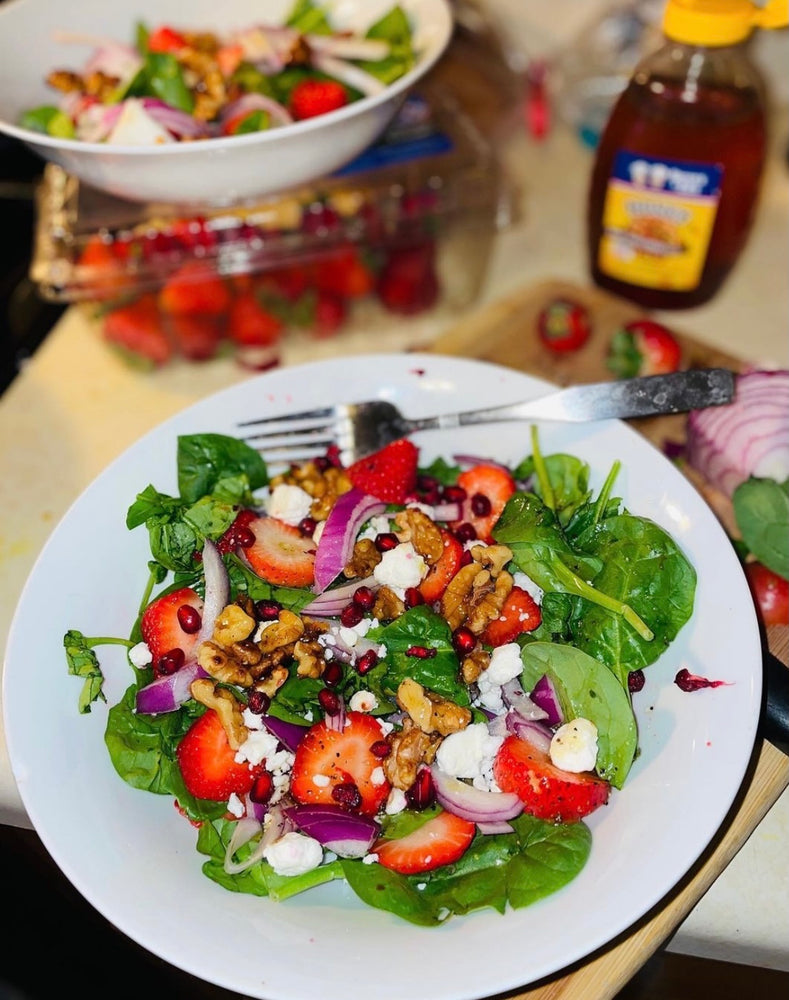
[(233, 624), (430, 711), (324, 486), (364, 559), (222, 665), (473, 665), (477, 592), (492, 557), (409, 748), (272, 681), (455, 600), (225, 706), (284, 631), (488, 602), (309, 657), (64, 80), (422, 532), (247, 652), (388, 605), (203, 76)]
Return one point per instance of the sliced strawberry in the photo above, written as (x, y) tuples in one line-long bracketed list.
[(437, 579), (331, 762), (389, 474), (546, 791), (166, 39), (520, 614), (208, 763), (195, 337), (228, 59), (162, 628), (281, 554), (250, 325), (316, 97), (440, 841), (106, 265), (194, 288), (643, 347), (138, 329), (488, 488)]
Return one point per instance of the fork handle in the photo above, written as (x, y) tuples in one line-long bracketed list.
[(677, 392)]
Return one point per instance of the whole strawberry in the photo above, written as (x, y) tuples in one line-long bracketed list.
[(643, 347), (389, 474)]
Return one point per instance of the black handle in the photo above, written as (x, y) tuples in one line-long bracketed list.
[(775, 717)]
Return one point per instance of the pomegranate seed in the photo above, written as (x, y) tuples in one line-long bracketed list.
[(332, 674), (366, 662), (380, 749), (454, 494), (171, 661), (421, 794), (321, 463), (244, 537), (421, 652), (258, 702), (480, 505), (466, 558), (635, 680), (189, 619), (307, 526), (351, 615), (268, 611), (386, 541), (347, 795), (463, 640), (364, 597), (329, 701), (426, 484), (465, 532), (333, 456), (263, 788), (413, 597), (432, 497)]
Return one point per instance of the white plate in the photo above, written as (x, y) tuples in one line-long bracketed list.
[(133, 857), (215, 171)]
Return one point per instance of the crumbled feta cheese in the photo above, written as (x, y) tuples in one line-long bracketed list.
[(378, 525), (290, 504), (235, 806), (251, 719), (363, 701), (262, 747), (469, 753), (377, 777), (140, 655), (526, 583), (257, 747), (574, 746), (294, 854), (400, 568), (136, 127), (369, 859), (505, 665), (396, 802)]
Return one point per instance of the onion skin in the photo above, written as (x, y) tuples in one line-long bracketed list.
[(473, 804), (748, 437), (342, 526)]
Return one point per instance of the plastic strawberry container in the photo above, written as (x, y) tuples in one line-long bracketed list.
[(371, 257)]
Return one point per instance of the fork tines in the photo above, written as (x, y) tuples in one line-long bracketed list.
[(293, 437)]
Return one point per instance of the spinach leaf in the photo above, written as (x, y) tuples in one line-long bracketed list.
[(216, 464), (588, 689), (761, 509), (569, 480), (394, 28)]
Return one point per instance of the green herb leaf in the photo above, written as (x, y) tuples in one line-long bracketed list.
[(761, 509)]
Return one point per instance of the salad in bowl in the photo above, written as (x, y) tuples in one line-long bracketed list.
[(413, 679)]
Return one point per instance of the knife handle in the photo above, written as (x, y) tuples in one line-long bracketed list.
[(775, 719)]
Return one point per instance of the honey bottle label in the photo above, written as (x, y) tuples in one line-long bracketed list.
[(658, 218)]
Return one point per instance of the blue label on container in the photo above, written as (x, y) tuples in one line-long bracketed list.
[(690, 180)]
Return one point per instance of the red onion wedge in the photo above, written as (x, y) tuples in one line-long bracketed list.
[(331, 602), (350, 46), (256, 102), (748, 437), (348, 835), (515, 697), (277, 825), (474, 804), (536, 733), (179, 123), (347, 73), (290, 734), (217, 589), (544, 695), (167, 694), (342, 526)]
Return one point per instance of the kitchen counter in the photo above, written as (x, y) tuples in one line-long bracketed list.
[(76, 406)]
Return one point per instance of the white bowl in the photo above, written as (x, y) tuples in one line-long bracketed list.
[(213, 171)]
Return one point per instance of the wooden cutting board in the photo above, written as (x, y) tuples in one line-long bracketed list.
[(505, 333)]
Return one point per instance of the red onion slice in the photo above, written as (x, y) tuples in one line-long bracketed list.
[(474, 804), (166, 694), (331, 602), (290, 734), (277, 826), (217, 589), (545, 697), (179, 123), (515, 697), (348, 835), (502, 826), (536, 733), (335, 547), (347, 73), (256, 102), (350, 46)]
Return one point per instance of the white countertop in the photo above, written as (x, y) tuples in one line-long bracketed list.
[(76, 406)]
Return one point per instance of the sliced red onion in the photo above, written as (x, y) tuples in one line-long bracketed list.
[(217, 590), (502, 826), (114, 59), (94, 122), (174, 120), (277, 825), (348, 835), (544, 695), (514, 697), (290, 734), (256, 102), (337, 540), (255, 810), (347, 73), (446, 511), (336, 720), (350, 46), (473, 804), (536, 733), (168, 693), (748, 437), (269, 47), (331, 602)]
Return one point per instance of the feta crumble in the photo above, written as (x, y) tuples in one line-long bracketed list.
[(140, 655), (505, 665), (294, 854), (400, 568), (469, 753), (574, 746), (288, 503)]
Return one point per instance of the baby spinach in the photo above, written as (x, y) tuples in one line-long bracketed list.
[(218, 465), (761, 508)]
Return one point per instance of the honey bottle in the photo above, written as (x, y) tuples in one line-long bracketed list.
[(679, 164)]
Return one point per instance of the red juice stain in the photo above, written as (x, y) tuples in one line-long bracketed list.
[(686, 681)]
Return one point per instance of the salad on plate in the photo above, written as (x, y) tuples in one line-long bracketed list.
[(175, 84), (415, 679)]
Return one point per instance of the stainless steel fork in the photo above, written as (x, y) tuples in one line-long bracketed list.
[(359, 429)]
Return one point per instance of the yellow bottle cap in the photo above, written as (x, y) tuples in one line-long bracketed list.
[(720, 22)]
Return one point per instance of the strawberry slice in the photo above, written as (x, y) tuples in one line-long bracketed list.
[(546, 791), (331, 765), (520, 614), (437, 580), (163, 621), (250, 325), (194, 288), (137, 328), (316, 97), (488, 488), (643, 347), (280, 553), (440, 841), (166, 39), (208, 763), (388, 474)]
